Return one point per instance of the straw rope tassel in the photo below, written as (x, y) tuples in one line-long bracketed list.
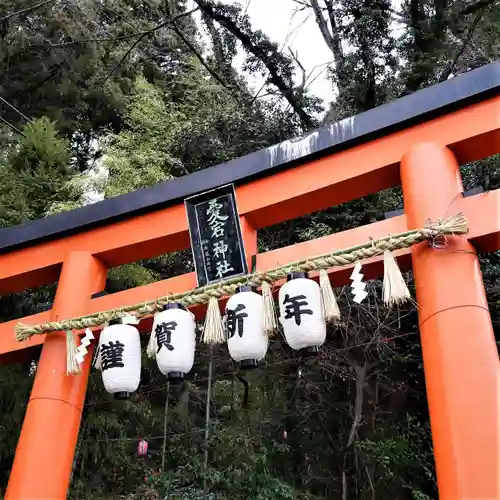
[(213, 330), (330, 306), (394, 290), (270, 322), (72, 365)]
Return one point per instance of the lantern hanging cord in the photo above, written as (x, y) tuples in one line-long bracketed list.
[(165, 420), (455, 225), (207, 416)]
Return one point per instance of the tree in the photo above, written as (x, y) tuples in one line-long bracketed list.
[(33, 173), (124, 94)]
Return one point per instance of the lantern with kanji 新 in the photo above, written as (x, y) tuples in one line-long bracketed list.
[(246, 340), (301, 313), (119, 358), (174, 340)]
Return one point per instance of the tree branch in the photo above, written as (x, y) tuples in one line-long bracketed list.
[(260, 53), (117, 38), (323, 27), (193, 49), (358, 405), (26, 10), (470, 33), (338, 52), (130, 49), (470, 9), (143, 35), (295, 56)]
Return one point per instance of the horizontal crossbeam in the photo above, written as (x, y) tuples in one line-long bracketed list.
[(484, 231)]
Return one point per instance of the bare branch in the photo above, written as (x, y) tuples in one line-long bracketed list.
[(256, 50), (26, 10), (344, 486), (470, 9), (193, 49), (295, 56), (338, 53), (141, 37), (303, 3), (358, 405), (117, 38), (323, 27), (470, 33)]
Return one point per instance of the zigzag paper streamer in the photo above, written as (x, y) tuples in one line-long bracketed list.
[(82, 348), (358, 287)]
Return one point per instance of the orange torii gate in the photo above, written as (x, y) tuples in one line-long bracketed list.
[(417, 141)]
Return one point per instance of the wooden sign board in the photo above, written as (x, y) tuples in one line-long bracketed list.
[(215, 232)]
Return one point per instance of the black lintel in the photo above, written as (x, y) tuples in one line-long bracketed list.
[(465, 89)]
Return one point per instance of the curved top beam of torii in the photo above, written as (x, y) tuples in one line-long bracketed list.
[(441, 99)]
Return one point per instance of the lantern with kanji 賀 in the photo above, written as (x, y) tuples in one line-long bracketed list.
[(174, 340), (119, 358), (246, 340), (301, 313)]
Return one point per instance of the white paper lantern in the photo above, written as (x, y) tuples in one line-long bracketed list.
[(174, 332), (120, 358), (301, 313), (246, 340)]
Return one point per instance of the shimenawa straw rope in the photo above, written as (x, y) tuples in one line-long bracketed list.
[(456, 224)]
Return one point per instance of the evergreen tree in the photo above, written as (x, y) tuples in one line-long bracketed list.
[(124, 94)]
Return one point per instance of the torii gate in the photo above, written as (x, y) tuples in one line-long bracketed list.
[(417, 141)]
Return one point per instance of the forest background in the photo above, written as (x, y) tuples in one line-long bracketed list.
[(99, 98)]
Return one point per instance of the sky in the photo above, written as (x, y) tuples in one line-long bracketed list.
[(290, 28), (295, 28)]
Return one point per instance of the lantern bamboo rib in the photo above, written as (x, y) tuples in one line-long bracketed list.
[(454, 225)]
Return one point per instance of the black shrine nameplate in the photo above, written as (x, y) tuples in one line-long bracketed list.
[(215, 232)]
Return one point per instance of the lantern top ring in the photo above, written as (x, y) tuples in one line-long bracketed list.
[(295, 275), (246, 288), (116, 321), (174, 305)]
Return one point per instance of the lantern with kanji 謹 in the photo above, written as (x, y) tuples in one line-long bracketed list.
[(119, 358), (301, 313), (173, 341), (246, 340)]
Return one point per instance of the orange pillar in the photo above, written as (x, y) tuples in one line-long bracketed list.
[(461, 365), (249, 236), (44, 455)]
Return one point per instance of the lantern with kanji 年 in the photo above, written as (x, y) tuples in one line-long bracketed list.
[(301, 313), (246, 339), (119, 358), (174, 341)]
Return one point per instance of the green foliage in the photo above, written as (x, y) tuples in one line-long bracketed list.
[(140, 155), (399, 450), (33, 173), (134, 117)]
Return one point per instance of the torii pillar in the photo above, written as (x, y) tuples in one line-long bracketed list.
[(462, 371), (46, 448)]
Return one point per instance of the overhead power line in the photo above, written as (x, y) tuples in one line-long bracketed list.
[(11, 106), (3, 120)]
